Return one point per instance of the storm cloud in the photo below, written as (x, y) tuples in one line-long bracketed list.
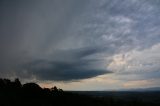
[(67, 65), (60, 71), (61, 40)]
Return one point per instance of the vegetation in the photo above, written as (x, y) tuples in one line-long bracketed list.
[(13, 93)]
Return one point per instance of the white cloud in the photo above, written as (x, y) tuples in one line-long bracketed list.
[(147, 60)]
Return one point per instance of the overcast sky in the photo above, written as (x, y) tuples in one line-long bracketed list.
[(81, 44)]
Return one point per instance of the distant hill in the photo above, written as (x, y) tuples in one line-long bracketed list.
[(144, 89)]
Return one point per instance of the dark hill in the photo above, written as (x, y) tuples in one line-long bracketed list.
[(13, 93)]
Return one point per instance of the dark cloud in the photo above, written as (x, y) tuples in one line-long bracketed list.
[(68, 65), (62, 71), (75, 39)]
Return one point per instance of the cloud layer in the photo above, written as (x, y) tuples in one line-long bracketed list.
[(74, 40)]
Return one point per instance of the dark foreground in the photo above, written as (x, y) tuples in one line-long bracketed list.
[(30, 94)]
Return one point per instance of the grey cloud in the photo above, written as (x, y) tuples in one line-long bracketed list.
[(138, 76), (70, 37), (80, 53), (62, 71), (69, 65), (63, 65)]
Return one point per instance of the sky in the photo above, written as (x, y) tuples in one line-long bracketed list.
[(81, 44)]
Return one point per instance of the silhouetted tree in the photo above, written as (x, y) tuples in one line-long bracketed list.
[(32, 87), (2, 83), (54, 89), (60, 90), (31, 94), (17, 83)]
